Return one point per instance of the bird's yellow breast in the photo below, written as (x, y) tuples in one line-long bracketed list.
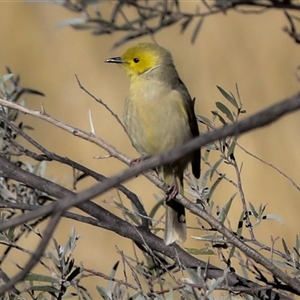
[(155, 117)]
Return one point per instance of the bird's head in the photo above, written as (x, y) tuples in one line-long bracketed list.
[(142, 58)]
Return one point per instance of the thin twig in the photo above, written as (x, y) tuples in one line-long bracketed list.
[(102, 103), (271, 166), (260, 119)]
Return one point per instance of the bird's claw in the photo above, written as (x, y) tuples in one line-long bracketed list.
[(138, 160), (172, 192)]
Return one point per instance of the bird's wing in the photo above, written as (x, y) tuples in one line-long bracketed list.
[(189, 106)]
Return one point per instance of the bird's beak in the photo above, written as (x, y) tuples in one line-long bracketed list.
[(115, 60)]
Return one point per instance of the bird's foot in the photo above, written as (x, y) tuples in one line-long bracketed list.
[(136, 161), (172, 192)]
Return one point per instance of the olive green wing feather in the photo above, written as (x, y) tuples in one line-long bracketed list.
[(189, 105)]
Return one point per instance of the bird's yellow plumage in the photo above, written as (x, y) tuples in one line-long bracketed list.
[(159, 115)]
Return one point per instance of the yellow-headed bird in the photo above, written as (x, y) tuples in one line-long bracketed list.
[(159, 116)]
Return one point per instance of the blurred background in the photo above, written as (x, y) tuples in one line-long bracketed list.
[(249, 50)]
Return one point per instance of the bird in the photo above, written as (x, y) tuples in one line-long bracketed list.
[(159, 116)]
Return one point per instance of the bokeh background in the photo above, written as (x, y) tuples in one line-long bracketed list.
[(249, 50)]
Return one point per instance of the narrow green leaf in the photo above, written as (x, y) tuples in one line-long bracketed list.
[(222, 120), (216, 183), (231, 148), (239, 234), (184, 25), (197, 29), (205, 120), (68, 296), (10, 233), (102, 292), (285, 247), (203, 251), (224, 109), (254, 213), (84, 294), (205, 155), (155, 208), (214, 167), (7, 76), (112, 274), (211, 237), (75, 272), (39, 297), (215, 283), (283, 263), (225, 209), (43, 288), (194, 276), (240, 225), (228, 97), (129, 213), (297, 246), (39, 277), (273, 217), (297, 252), (71, 22)]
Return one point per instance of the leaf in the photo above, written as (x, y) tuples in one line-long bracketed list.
[(205, 156), (10, 233), (53, 258), (203, 251), (224, 109), (228, 97), (7, 76), (214, 168), (112, 274), (155, 208), (273, 217), (43, 288), (205, 120), (238, 234), (225, 209), (196, 277), (231, 149), (211, 237), (129, 213), (240, 225), (254, 213), (285, 248), (192, 192), (216, 183), (215, 283), (77, 271), (102, 292), (72, 22), (39, 277), (297, 241), (197, 29), (185, 24), (297, 252), (222, 120), (283, 263)]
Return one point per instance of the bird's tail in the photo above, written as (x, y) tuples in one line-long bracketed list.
[(175, 228)]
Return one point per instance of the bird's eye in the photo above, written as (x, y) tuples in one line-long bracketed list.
[(136, 60)]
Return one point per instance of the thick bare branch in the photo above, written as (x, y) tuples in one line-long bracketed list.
[(260, 119)]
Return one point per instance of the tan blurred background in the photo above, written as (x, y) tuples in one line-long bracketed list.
[(250, 50)]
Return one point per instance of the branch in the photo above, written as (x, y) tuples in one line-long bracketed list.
[(139, 234), (153, 16)]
